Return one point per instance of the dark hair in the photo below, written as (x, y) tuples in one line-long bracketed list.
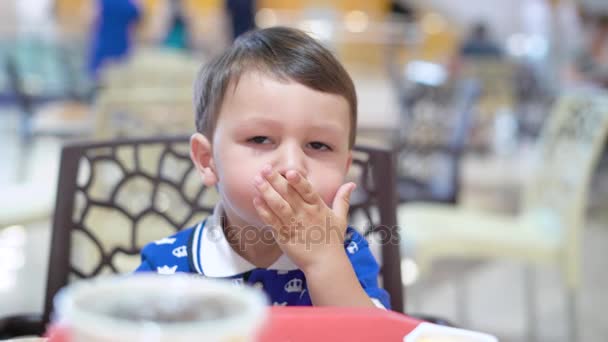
[(285, 53), (480, 31)]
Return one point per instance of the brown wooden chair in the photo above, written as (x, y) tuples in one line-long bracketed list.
[(115, 196)]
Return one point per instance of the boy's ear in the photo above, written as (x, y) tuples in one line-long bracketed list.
[(202, 157), (349, 162)]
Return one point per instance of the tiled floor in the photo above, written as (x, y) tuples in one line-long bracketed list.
[(495, 292)]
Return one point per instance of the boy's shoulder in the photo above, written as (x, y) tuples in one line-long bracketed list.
[(180, 238), (170, 254)]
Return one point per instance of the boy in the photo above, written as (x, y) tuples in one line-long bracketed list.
[(276, 116)]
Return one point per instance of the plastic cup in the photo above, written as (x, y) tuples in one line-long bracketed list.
[(150, 307)]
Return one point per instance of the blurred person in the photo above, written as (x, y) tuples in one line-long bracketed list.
[(591, 62), (178, 33), (479, 43), (112, 32), (241, 14), (477, 46), (276, 123), (403, 10)]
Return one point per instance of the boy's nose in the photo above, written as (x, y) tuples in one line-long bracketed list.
[(292, 158)]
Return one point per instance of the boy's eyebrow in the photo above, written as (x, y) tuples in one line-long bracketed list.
[(328, 127)]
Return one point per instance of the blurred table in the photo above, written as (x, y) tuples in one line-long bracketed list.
[(336, 324), (320, 324)]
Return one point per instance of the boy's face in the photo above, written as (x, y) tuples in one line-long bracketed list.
[(264, 121)]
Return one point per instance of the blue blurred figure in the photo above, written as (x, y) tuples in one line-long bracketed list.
[(111, 38), (178, 36), (242, 16)]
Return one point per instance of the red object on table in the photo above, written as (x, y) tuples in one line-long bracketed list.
[(301, 323), (336, 324)]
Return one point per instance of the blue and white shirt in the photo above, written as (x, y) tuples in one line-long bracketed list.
[(204, 250)]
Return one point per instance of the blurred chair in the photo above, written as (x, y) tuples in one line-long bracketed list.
[(534, 97), (153, 67), (433, 133), (149, 94), (497, 78), (434, 127), (113, 197), (51, 100), (548, 228), (55, 111), (373, 213)]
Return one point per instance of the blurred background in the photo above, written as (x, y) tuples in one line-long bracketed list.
[(465, 92)]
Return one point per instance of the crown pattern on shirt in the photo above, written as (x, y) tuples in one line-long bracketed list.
[(165, 241), (352, 247), (180, 252), (166, 270), (294, 285)]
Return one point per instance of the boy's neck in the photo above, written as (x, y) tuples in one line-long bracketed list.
[(253, 244)]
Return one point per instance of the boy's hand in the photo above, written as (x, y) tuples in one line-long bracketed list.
[(307, 230)]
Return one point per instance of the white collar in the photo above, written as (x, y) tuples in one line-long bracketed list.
[(213, 256)]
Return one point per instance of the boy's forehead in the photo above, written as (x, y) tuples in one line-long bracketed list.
[(277, 122), (253, 79), (258, 97)]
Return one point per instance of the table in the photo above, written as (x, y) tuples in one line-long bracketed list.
[(321, 323), (336, 324)]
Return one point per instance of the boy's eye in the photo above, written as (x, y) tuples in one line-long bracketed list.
[(319, 146), (259, 140)]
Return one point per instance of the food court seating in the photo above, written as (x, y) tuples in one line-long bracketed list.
[(548, 227)]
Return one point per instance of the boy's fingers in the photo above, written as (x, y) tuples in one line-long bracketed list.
[(270, 218), (265, 213), (279, 206), (278, 182), (302, 186), (341, 202)]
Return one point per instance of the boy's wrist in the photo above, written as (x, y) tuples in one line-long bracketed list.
[(326, 263), (334, 282)]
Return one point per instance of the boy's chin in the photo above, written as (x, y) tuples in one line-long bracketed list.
[(254, 221), (260, 225)]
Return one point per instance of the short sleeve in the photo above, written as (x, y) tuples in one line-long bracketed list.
[(365, 266), (146, 262), (168, 255)]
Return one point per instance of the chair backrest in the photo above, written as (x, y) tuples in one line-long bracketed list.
[(435, 129), (141, 70), (113, 197), (139, 98), (568, 151), (45, 70), (373, 211)]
